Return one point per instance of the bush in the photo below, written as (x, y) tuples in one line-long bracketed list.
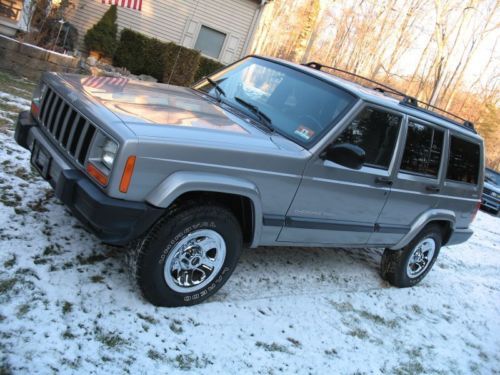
[(102, 36), (207, 67), (186, 63), (131, 51), (143, 55)]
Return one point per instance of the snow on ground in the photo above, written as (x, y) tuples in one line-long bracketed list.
[(67, 304)]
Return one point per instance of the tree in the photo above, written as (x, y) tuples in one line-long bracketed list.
[(102, 36)]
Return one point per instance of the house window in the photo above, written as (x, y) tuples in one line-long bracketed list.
[(210, 42), (10, 9)]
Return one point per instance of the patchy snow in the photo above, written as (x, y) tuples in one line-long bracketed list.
[(67, 304), (14, 101)]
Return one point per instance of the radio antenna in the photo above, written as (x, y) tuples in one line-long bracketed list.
[(180, 46)]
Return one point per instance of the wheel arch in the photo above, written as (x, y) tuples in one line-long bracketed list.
[(229, 190), (444, 218)]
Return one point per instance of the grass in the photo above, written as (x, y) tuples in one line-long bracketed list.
[(176, 326), (111, 339), (147, 318), (154, 355), (67, 307), (23, 310), (10, 262), (273, 347), (7, 284)]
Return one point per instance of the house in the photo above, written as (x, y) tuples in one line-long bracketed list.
[(219, 29), (13, 16)]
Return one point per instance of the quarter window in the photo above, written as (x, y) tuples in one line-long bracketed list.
[(376, 132), (423, 149), (463, 165), (210, 42)]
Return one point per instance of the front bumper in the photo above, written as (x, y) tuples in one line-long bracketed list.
[(492, 203), (114, 221)]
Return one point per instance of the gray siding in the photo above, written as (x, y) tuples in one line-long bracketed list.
[(172, 20)]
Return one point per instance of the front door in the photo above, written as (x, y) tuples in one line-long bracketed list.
[(339, 206), (416, 184)]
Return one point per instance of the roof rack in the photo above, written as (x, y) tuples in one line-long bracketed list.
[(406, 100)]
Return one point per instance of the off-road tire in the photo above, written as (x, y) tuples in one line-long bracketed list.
[(146, 257), (394, 262)]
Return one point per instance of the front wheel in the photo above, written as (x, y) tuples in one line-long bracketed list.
[(187, 256), (408, 266)]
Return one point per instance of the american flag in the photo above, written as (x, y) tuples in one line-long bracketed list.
[(99, 82), (134, 4)]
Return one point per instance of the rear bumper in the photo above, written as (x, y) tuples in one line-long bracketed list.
[(114, 221), (459, 236)]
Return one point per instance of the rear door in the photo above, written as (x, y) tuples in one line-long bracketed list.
[(339, 206), (416, 184)]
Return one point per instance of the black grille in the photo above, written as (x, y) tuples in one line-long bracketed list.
[(68, 128)]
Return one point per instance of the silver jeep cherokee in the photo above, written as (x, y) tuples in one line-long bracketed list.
[(262, 152)]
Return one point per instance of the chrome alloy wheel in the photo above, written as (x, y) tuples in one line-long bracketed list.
[(420, 258), (195, 261)]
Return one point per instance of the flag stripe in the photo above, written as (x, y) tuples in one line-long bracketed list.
[(133, 4)]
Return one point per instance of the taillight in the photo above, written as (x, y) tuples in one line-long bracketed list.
[(474, 213), (128, 171)]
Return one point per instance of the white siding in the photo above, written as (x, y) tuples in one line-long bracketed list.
[(167, 20)]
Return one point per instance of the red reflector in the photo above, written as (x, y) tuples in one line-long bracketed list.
[(474, 213), (97, 174), (35, 111), (128, 171)]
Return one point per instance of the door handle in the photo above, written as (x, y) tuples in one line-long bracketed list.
[(432, 189), (383, 181)]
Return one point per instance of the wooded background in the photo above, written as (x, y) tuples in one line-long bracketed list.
[(440, 51)]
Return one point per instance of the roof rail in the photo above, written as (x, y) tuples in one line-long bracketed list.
[(406, 100)]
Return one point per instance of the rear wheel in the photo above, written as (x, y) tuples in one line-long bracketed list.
[(408, 266), (187, 256)]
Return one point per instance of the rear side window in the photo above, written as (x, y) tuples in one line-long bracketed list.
[(376, 132), (423, 149), (463, 165)]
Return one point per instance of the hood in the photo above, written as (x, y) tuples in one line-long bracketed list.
[(492, 187), (163, 111)]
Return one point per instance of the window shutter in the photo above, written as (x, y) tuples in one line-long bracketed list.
[(229, 54), (190, 33)]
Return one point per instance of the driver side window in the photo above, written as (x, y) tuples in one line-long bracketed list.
[(376, 132)]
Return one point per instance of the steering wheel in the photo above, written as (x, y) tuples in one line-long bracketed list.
[(312, 122)]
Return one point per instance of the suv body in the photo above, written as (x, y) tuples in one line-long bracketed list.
[(122, 154), (491, 191)]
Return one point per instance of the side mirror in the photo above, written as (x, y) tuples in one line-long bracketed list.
[(345, 154)]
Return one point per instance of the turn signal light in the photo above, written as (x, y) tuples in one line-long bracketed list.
[(97, 174), (128, 171), (35, 110)]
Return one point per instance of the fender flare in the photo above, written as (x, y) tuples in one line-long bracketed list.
[(179, 183), (422, 221)]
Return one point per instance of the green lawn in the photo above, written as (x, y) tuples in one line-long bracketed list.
[(15, 94)]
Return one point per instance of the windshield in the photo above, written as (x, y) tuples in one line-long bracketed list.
[(492, 177), (297, 105)]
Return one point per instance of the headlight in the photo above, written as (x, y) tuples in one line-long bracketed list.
[(109, 150), (493, 194)]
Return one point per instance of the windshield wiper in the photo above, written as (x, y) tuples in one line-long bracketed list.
[(262, 116), (217, 87)]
